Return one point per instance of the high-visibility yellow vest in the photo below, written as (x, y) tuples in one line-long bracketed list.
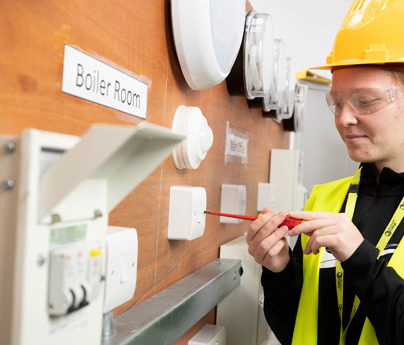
[(328, 197)]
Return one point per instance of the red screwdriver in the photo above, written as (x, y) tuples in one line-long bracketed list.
[(289, 221)]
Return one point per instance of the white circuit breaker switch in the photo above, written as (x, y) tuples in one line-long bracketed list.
[(233, 201), (210, 335), (63, 277), (75, 277), (122, 254), (266, 196), (186, 220)]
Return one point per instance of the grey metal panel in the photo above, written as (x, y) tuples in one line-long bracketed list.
[(166, 316)]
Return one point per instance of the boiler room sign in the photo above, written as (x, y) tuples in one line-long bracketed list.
[(89, 78)]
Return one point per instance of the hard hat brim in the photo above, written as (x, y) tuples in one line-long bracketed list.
[(396, 66)]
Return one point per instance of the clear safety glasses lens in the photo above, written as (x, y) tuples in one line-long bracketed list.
[(362, 101)]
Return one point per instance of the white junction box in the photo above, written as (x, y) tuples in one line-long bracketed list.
[(233, 201), (186, 220), (209, 335), (266, 196), (286, 172)]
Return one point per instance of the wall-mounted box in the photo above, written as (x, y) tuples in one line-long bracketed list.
[(186, 219), (66, 188), (286, 177), (266, 196), (209, 335), (233, 200)]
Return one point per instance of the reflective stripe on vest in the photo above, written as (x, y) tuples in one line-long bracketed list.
[(328, 197)]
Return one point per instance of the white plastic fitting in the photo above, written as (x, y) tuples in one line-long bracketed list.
[(190, 121), (207, 36), (186, 219)]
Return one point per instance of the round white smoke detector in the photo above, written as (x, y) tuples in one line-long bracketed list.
[(192, 151)]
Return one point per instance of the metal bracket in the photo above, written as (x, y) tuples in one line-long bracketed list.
[(166, 316)]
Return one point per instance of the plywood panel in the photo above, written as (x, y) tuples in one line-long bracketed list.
[(136, 37)]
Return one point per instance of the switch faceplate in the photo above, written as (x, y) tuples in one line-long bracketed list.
[(233, 201), (122, 256), (186, 220)]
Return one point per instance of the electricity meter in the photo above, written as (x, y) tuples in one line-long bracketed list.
[(258, 54), (275, 100), (296, 122), (289, 104), (252, 74)]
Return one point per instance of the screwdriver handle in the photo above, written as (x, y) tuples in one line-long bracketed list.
[(291, 222)]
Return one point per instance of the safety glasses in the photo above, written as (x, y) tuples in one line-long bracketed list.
[(362, 101)]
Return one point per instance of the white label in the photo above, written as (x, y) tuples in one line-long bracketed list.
[(93, 80), (236, 146)]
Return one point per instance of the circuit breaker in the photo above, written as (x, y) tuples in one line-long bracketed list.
[(75, 276)]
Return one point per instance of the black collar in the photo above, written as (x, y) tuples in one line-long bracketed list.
[(388, 183)]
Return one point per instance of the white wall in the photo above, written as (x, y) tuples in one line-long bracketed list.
[(308, 29)]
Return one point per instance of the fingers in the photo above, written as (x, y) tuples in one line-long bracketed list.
[(264, 226), (258, 223), (264, 235), (333, 230), (310, 215), (271, 246), (317, 241), (313, 222)]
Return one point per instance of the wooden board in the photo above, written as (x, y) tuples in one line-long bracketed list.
[(134, 36)]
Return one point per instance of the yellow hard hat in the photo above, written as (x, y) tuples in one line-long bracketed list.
[(371, 33)]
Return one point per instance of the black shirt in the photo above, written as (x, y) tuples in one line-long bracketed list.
[(379, 287)]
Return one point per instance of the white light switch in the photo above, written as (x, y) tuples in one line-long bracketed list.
[(122, 249), (186, 219), (233, 201)]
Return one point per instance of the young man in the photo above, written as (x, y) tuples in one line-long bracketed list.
[(343, 284)]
